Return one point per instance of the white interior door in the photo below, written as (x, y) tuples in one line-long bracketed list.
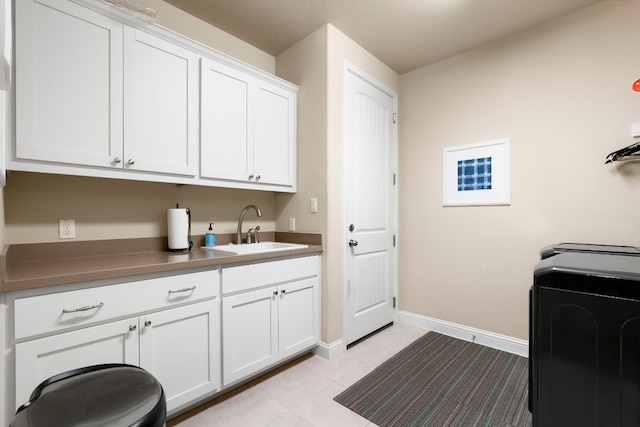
[(370, 201)]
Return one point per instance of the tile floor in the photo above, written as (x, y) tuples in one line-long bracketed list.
[(301, 393)]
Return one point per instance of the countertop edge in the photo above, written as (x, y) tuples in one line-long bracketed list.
[(84, 268)]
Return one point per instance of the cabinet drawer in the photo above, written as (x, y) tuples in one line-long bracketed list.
[(241, 278), (53, 312)]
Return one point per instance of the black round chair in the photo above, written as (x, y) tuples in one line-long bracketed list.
[(100, 395)]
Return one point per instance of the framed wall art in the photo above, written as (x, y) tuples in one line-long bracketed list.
[(477, 174)]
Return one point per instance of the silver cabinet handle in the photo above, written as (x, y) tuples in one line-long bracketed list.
[(131, 162), (117, 160), (147, 323), (85, 308), (250, 177), (193, 288), (257, 177), (283, 291), (275, 293), (132, 328)]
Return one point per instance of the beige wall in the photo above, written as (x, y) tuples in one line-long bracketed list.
[(117, 209), (181, 22), (305, 64), (562, 93), (316, 64)]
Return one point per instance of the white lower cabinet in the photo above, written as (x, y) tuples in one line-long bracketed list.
[(177, 327), (266, 325), (176, 337), (181, 348), (298, 317), (39, 359), (250, 333)]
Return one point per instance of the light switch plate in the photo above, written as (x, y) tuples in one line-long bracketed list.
[(313, 205), (292, 224)]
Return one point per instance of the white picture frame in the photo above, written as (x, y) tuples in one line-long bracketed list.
[(477, 174)]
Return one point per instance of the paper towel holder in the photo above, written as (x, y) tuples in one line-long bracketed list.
[(179, 229)]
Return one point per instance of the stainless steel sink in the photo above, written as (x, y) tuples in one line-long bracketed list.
[(254, 248)]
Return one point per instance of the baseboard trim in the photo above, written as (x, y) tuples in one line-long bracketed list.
[(479, 336), (330, 351)]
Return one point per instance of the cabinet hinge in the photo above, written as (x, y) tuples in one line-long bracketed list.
[(394, 179), (395, 117), (394, 240), (394, 302)]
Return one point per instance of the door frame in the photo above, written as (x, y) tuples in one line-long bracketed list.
[(350, 68)]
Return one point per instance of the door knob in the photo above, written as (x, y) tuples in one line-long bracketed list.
[(353, 243)]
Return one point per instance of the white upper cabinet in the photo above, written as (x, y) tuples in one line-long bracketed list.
[(69, 86), (102, 93), (226, 116), (160, 105), (95, 92), (274, 153), (248, 129)]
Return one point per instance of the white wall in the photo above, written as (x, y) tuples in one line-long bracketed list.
[(562, 93)]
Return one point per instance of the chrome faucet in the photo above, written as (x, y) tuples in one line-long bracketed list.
[(244, 211)]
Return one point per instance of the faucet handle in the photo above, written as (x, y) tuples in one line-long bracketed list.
[(256, 235)]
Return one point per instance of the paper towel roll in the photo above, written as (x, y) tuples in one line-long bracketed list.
[(178, 229)]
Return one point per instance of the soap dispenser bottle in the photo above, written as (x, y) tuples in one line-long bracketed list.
[(210, 237)]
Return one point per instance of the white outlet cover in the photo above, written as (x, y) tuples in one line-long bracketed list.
[(67, 229)]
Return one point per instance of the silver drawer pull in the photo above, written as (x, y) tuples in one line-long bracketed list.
[(193, 288), (85, 308)]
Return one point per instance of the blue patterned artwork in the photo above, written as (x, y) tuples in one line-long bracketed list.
[(477, 174), (474, 174)]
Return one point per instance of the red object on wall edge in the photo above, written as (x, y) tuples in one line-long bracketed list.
[(636, 85)]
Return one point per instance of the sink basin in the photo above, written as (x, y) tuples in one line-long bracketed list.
[(254, 248)]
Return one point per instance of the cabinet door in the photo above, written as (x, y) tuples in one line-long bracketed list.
[(161, 105), (226, 139), (69, 86), (298, 317), (249, 333), (181, 348), (39, 359), (274, 144)]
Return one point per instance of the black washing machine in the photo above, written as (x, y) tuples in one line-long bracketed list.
[(584, 348)]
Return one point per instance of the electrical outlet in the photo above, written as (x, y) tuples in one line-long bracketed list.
[(313, 205), (292, 224), (67, 229)]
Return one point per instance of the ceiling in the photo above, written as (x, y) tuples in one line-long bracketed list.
[(404, 34)]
